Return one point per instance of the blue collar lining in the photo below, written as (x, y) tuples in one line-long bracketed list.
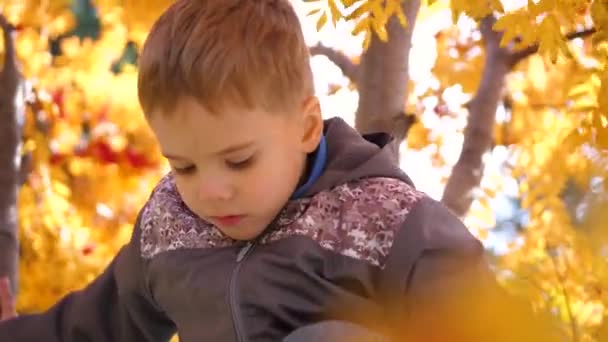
[(317, 169)]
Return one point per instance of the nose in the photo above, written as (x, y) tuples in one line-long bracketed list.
[(215, 189)]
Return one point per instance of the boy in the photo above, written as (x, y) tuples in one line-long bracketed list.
[(271, 220)]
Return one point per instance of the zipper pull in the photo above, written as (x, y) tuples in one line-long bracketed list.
[(244, 251)]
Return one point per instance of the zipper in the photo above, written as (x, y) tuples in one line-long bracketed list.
[(245, 251), (234, 303)]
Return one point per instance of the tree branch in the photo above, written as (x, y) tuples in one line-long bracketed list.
[(11, 109), (342, 61), (10, 68), (468, 170), (520, 55)]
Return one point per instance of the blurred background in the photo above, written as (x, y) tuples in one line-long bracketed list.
[(501, 107)]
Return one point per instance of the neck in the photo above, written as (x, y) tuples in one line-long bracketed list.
[(312, 169), (306, 168)]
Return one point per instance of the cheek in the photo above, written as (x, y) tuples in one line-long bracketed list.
[(261, 182), (274, 177), (286, 173), (187, 191)]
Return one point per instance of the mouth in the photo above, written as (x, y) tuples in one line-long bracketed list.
[(229, 220)]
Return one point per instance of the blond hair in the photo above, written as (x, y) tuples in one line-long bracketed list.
[(243, 52)]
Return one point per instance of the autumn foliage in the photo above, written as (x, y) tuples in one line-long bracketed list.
[(93, 160)]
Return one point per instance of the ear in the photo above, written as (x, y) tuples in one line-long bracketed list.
[(312, 123)]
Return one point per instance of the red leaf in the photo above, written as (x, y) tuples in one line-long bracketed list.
[(135, 159), (102, 151), (88, 249)]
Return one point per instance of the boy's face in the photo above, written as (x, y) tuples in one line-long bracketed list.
[(237, 169)]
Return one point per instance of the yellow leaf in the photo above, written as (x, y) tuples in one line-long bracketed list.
[(497, 6), (599, 13), (61, 189), (367, 40), (564, 48), (361, 26), (418, 136), (508, 25), (503, 23), (378, 12), (455, 15), (313, 12), (401, 16), (391, 7), (490, 193), (70, 46), (551, 42), (349, 3), (516, 25), (62, 23), (457, 7), (602, 137), (533, 8), (335, 12), (580, 90), (321, 21), (528, 34), (575, 138), (394, 8), (359, 12), (380, 30)]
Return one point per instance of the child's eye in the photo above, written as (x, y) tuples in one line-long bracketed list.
[(240, 164), (184, 170)]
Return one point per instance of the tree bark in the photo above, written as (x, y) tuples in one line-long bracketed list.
[(11, 111), (383, 79), (518, 56)]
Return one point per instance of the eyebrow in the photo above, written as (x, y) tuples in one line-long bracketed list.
[(227, 150)]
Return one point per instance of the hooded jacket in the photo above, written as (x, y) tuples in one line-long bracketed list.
[(361, 244)]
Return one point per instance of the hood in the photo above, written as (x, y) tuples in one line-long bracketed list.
[(352, 156)]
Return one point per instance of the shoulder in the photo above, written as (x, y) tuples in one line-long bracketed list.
[(358, 219), (435, 253), (388, 199), (432, 226), (166, 223), (382, 218)]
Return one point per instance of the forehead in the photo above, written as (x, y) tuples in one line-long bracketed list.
[(190, 126)]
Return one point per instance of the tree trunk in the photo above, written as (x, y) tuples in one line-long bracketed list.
[(468, 170), (383, 77), (11, 111)]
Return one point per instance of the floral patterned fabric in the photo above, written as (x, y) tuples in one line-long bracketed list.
[(358, 219)]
